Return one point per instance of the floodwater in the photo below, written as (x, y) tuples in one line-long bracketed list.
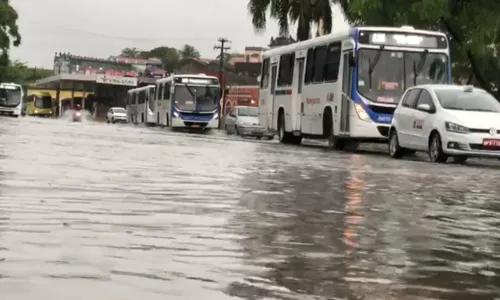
[(96, 211)]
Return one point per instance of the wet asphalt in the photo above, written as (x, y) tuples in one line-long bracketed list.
[(96, 211)]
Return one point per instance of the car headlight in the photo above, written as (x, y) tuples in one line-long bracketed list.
[(175, 114), (453, 127), (36, 111), (215, 117), (362, 114), (241, 123)]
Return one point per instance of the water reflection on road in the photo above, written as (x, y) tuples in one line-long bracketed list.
[(89, 209)]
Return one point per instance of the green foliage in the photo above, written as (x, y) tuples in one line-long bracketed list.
[(170, 57), (473, 27), (9, 34), (18, 72), (188, 52), (286, 12)]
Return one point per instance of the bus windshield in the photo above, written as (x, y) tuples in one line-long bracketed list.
[(43, 102), (395, 71), (10, 97), (196, 98)]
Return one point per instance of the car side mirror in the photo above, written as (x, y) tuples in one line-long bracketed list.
[(425, 107)]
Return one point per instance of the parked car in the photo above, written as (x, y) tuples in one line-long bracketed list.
[(244, 121), (116, 114), (446, 121)]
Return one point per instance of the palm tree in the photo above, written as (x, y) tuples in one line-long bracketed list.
[(131, 53), (303, 12), (189, 51)]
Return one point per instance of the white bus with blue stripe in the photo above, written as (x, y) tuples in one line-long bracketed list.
[(345, 86), (11, 99), (141, 105), (188, 101)]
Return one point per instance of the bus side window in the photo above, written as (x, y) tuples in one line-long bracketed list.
[(285, 73), (319, 64), (159, 87), (332, 62), (142, 97), (264, 78), (309, 66), (166, 91)]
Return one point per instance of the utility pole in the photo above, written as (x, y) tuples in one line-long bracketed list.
[(222, 47)]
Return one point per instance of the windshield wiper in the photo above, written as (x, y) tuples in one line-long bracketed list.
[(372, 65), (418, 68), (191, 92)]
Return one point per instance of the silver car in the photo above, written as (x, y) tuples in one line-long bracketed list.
[(116, 114), (244, 121)]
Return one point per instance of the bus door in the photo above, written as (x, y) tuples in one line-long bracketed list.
[(297, 94), (272, 113), (345, 105), (151, 111)]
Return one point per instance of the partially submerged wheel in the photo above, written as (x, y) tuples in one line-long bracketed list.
[(395, 150), (436, 153)]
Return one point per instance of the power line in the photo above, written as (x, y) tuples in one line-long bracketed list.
[(115, 37), (222, 49)]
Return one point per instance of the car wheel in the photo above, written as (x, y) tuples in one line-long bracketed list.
[(270, 137), (436, 153), (395, 150)]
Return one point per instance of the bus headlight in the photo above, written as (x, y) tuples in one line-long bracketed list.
[(362, 114)]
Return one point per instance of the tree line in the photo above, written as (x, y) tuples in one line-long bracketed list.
[(472, 26), (170, 57)]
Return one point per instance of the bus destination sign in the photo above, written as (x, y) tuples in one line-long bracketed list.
[(403, 39), (196, 80)]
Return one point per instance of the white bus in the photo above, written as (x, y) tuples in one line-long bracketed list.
[(11, 99), (345, 86), (188, 101), (141, 105)]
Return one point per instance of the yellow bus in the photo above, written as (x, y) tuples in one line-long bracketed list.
[(39, 104)]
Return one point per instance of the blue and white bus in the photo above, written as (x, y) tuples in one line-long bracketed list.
[(141, 105), (11, 99), (188, 101), (344, 86)]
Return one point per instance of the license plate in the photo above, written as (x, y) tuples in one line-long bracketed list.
[(195, 126), (492, 144)]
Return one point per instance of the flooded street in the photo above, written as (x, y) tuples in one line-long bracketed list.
[(97, 211)]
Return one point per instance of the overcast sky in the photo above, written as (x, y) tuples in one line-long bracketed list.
[(100, 28)]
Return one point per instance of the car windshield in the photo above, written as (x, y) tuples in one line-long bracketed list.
[(476, 100), (394, 72), (119, 110), (10, 97), (248, 112), (196, 98), (43, 102)]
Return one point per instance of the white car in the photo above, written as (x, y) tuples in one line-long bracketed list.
[(446, 121), (244, 121), (116, 114)]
